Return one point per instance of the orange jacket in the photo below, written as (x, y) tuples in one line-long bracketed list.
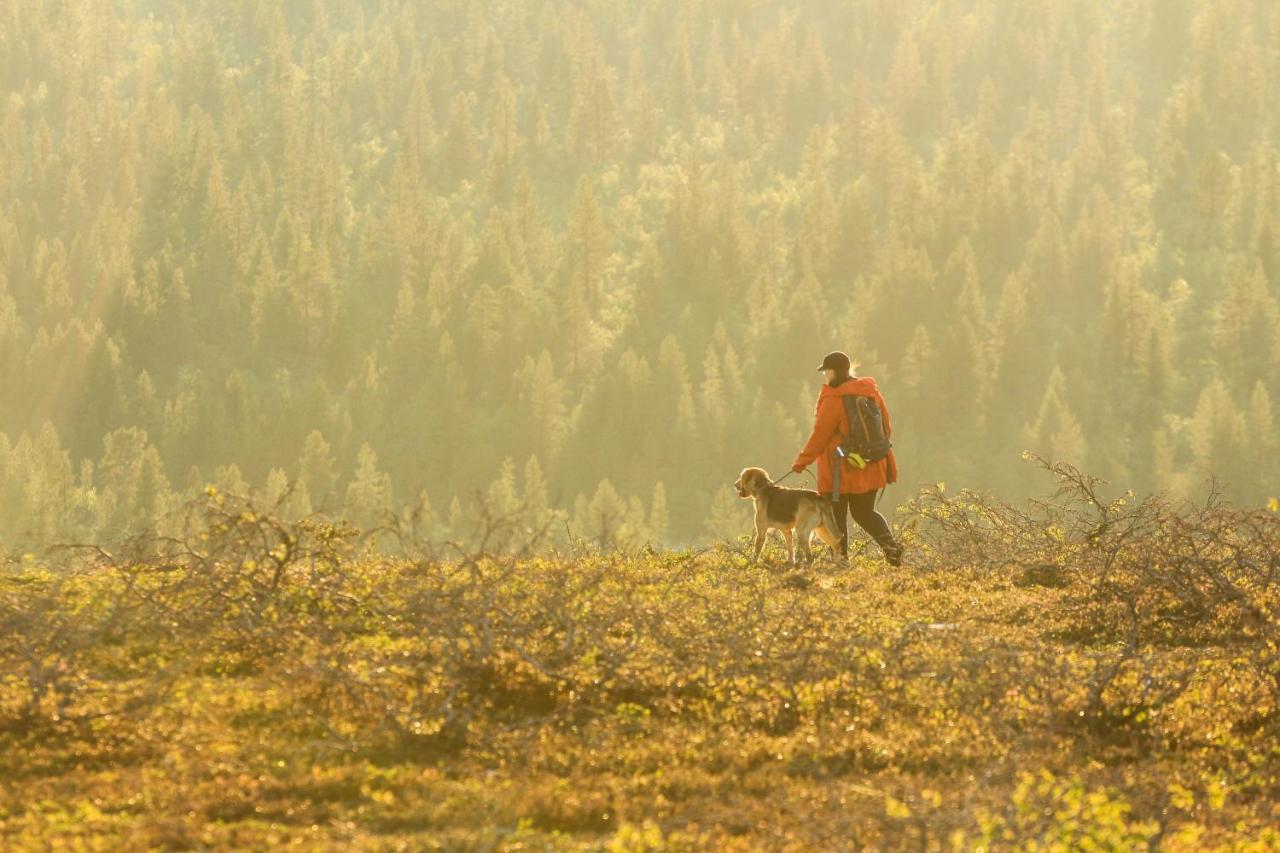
[(831, 425)]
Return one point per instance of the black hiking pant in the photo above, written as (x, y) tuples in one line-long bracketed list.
[(862, 506)]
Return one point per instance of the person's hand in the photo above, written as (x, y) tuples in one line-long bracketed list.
[(798, 468)]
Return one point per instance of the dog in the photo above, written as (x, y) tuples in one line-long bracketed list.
[(801, 512)]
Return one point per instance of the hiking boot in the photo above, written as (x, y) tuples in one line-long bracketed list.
[(892, 553)]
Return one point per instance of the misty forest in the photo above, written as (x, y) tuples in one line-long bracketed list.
[(588, 254), (376, 377)]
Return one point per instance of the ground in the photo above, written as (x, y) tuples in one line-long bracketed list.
[(679, 699)]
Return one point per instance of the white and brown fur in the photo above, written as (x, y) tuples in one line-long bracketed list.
[(798, 513)]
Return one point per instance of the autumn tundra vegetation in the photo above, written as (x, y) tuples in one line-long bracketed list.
[(1087, 671)]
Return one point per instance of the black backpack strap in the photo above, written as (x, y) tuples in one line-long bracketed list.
[(850, 403), (837, 464)]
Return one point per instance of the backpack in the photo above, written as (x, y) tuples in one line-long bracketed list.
[(866, 429)]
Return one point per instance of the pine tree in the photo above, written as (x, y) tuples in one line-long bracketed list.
[(423, 523), (726, 519), (369, 492), (543, 400), (1216, 434), (460, 147), (591, 131), (1263, 444), (229, 480), (458, 528), (504, 131), (317, 470), (537, 503), (659, 519), (601, 520), (419, 120), (712, 400), (502, 497), (586, 256), (918, 366), (1246, 328), (272, 493), (683, 90), (132, 472), (633, 533), (47, 484), (1056, 433)]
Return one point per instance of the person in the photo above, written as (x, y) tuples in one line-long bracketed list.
[(858, 486)]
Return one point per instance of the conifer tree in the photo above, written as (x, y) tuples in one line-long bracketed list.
[(1055, 431), (317, 470), (369, 491)]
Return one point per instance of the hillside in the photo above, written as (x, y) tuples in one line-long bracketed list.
[(1078, 671)]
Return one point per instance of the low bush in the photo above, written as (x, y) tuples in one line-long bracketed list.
[(1076, 673)]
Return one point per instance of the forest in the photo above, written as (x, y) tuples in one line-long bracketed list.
[(359, 255)]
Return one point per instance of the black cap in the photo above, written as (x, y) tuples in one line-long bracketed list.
[(837, 360)]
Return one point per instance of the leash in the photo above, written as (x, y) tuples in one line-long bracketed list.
[(789, 473), (785, 476)]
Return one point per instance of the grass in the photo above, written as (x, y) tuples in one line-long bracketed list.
[(676, 700)]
